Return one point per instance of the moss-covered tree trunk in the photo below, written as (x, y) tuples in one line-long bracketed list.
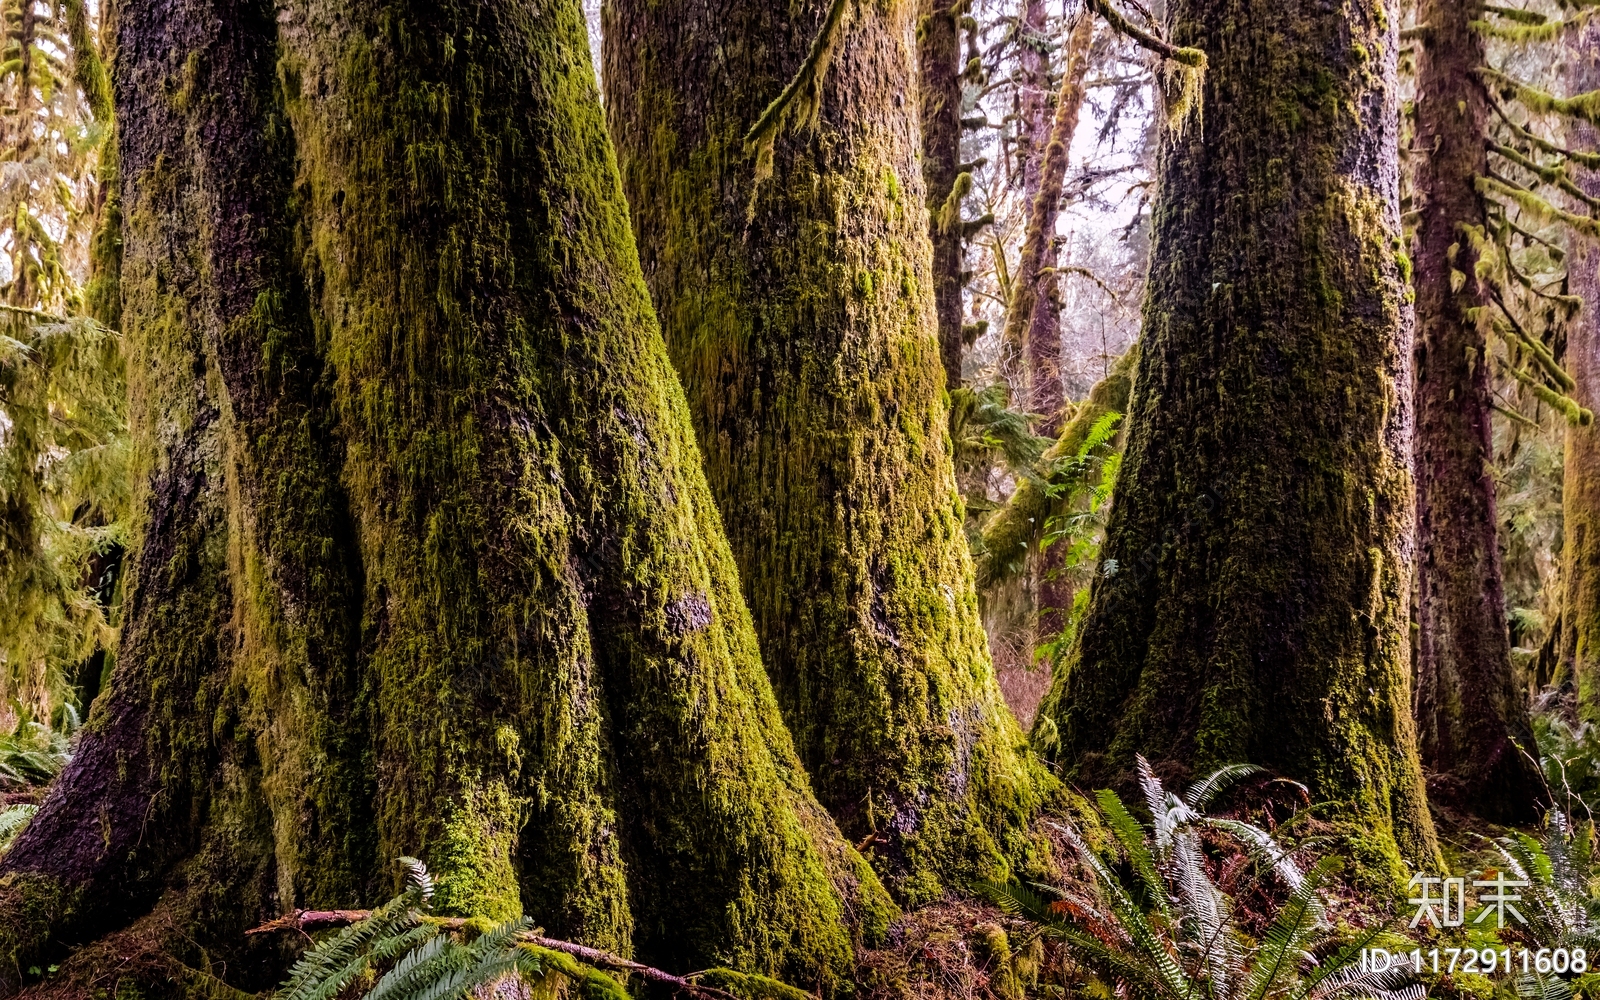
[(800, 315), (1472, 724), (427, 563), (1252, 602), (1033, 317), (1580, 480), (939, 96)]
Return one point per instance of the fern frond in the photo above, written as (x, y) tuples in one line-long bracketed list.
[(1132, 838), (1300, 916), (417, 874), (422, 964), (1203, 791), (12, 820)]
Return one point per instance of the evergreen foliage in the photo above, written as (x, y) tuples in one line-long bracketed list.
[(63, 451), (64, 498)]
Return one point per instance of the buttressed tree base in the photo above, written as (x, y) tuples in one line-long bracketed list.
[(427, 565), (1253, 599)]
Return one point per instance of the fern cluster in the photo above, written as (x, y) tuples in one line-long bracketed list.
[(1170, 933), (399, 952), (1079, 488)]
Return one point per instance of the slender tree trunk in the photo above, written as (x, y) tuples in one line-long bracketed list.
[(1034, 119), (427, 562), (1472, 724), (799, 311), (1580, 481), (939, 91), (1033, 318), (1252, 604)]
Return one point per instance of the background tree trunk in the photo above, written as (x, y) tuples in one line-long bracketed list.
[(1033, 317), (1252, 604), (799, 312), (1472, 723), (1580, 482), (939, 93), (427, 561)]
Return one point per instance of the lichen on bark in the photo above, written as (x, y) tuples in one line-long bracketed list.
[(427, 563), (799, 312)]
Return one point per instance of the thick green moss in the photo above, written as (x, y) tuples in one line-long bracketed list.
[(428, 563), (800, 315)]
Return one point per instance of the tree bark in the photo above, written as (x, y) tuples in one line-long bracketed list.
[(1472, 724), (1033, 117), (427, 563), (799, 312), (939, 94), (1580, 481), (1033, 317), (1252, 602)]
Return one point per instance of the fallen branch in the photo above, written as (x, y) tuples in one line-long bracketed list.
[(302, 920)]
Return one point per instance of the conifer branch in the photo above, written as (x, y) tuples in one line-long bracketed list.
[(1193, 58), (1585, 106), (1555, 176), (1530, 202)]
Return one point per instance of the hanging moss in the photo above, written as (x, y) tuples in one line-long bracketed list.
[(428, 563), (800, 316)]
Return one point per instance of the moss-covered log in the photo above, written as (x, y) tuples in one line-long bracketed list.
[(1014, 531), (1252, 602), (1472, 723), (427, 561), (799, 312)]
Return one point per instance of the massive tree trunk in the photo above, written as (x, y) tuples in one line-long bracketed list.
[(939, 94), (1580, 481), (799, 312), (1252, 604), (1472, 724), (427, 562)]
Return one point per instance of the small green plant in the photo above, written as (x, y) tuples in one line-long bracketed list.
[(986, 432), (1080, 488), (400, 952), (34, 753), (1569, 756), (1559, 902), (12, 820), (1170, 933)]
